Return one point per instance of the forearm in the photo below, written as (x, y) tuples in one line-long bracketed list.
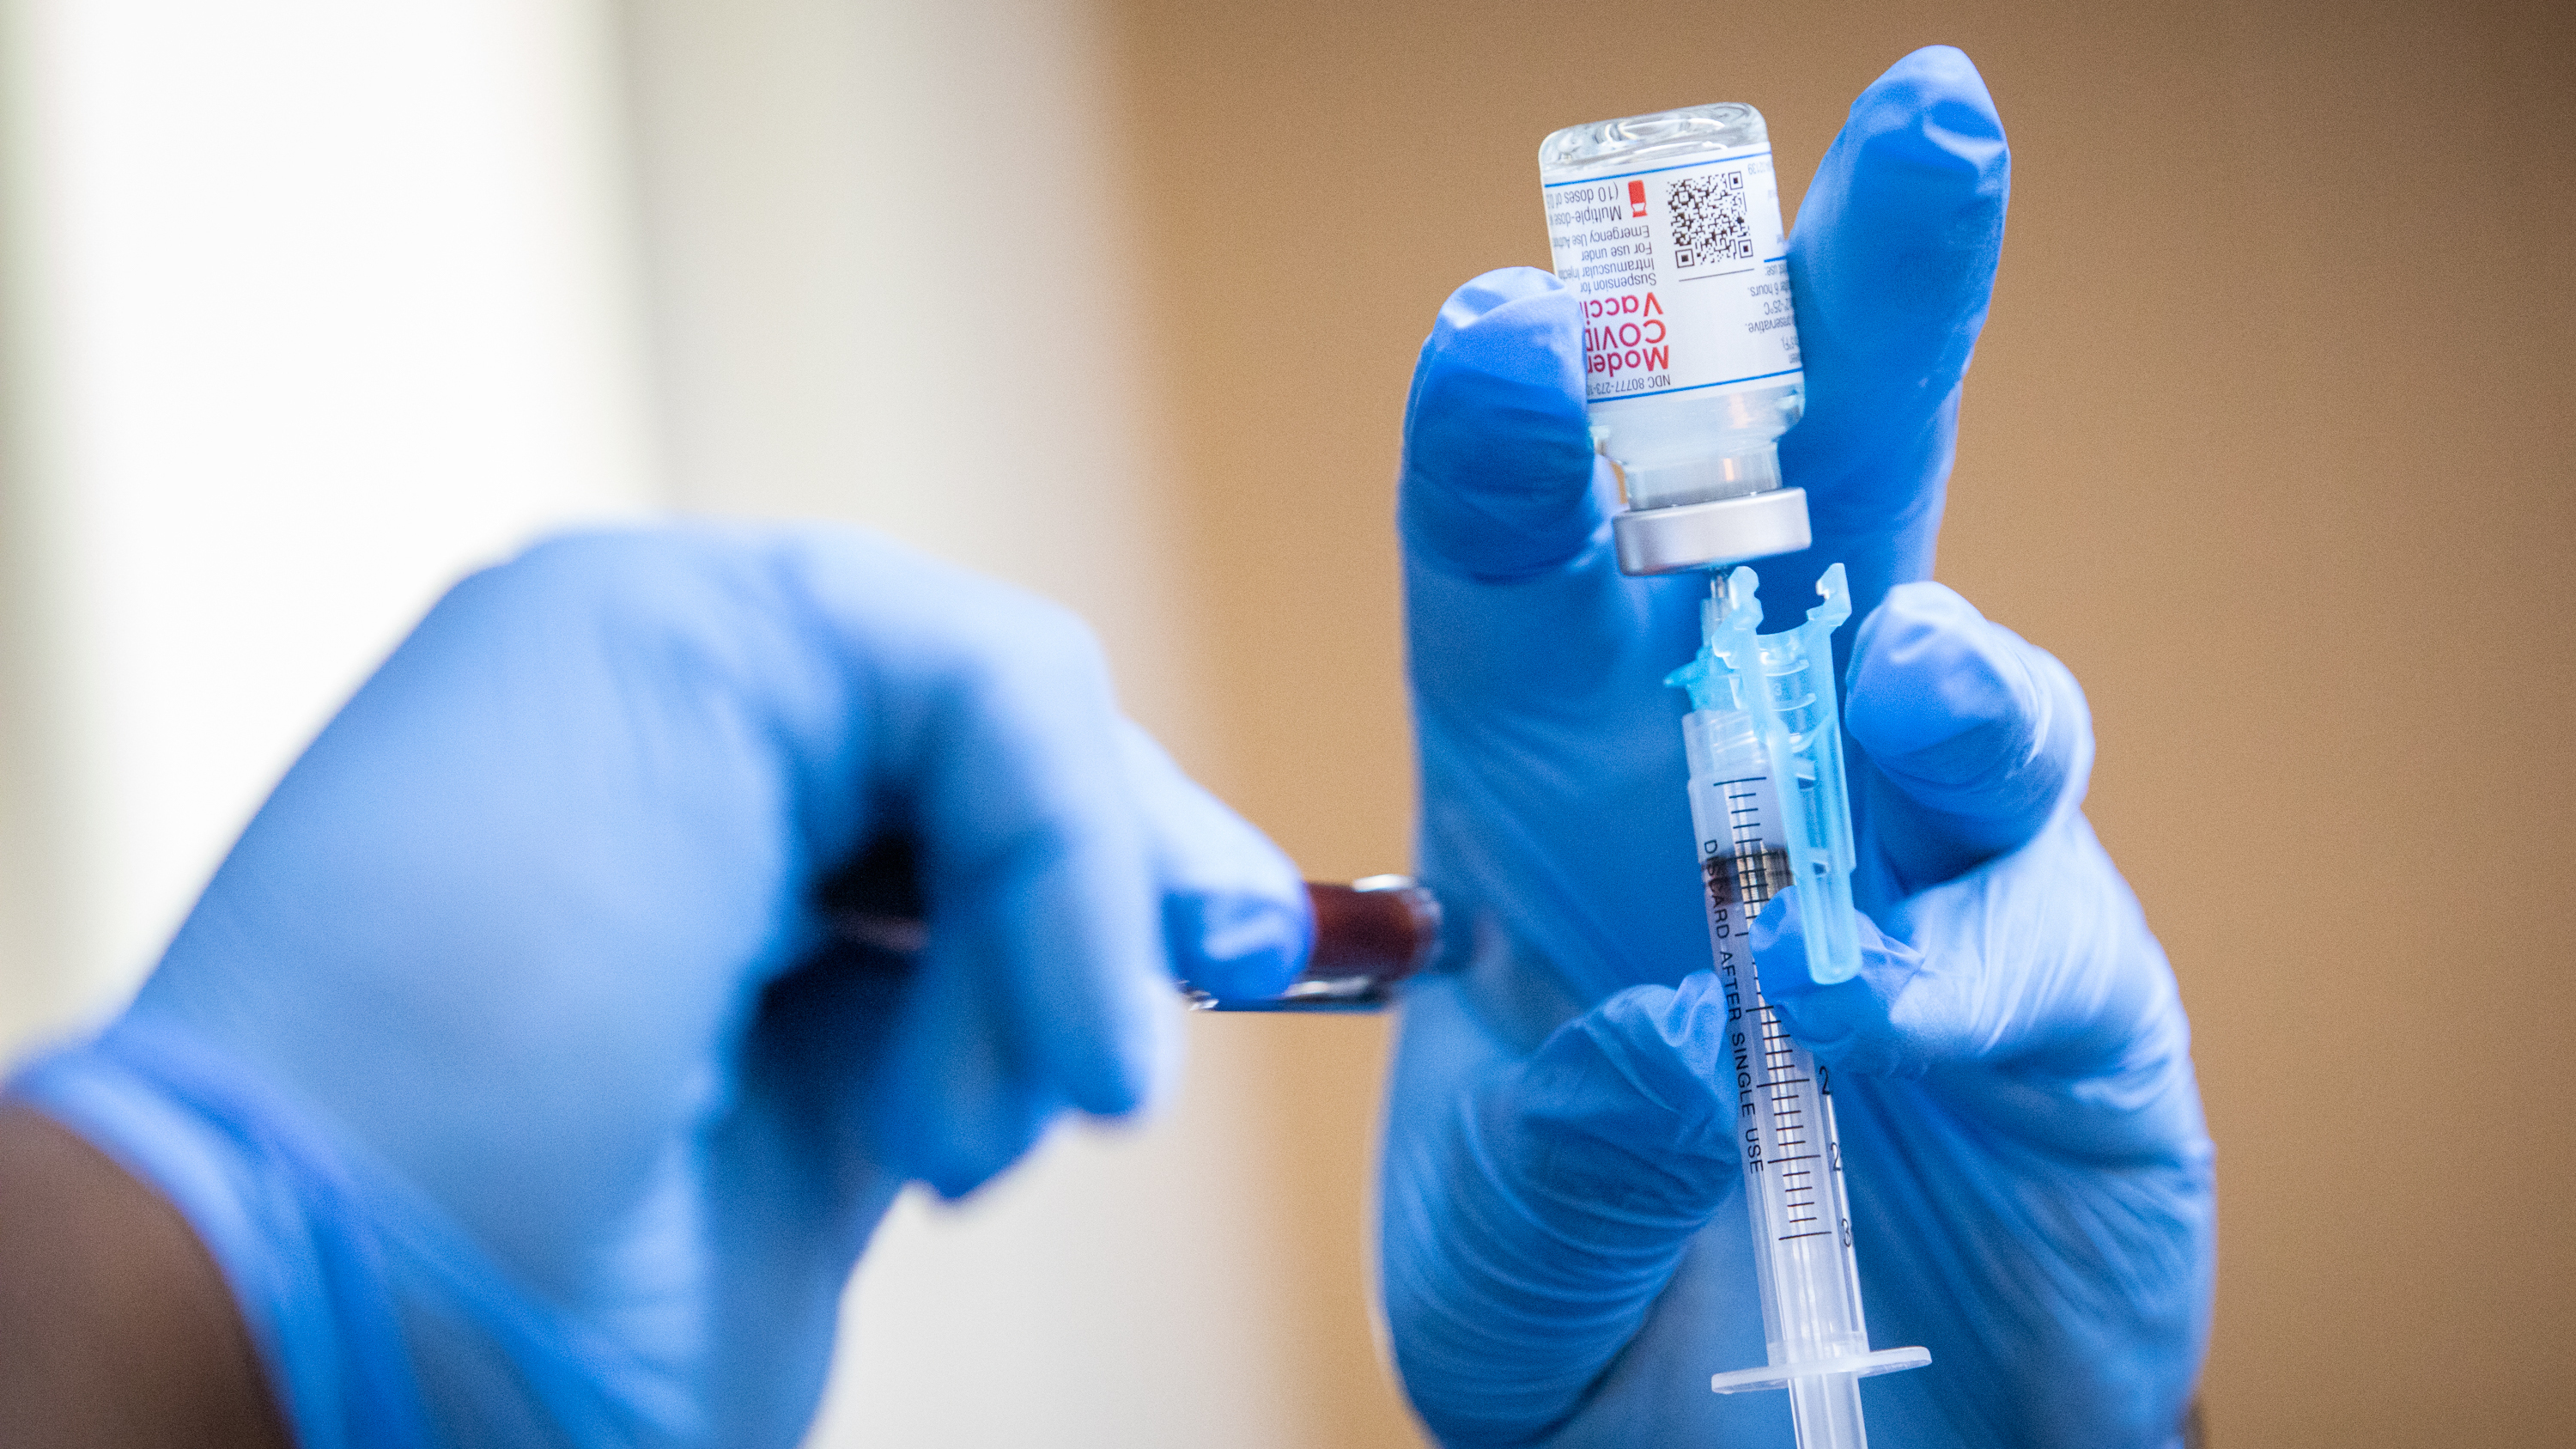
[(116, 1328)]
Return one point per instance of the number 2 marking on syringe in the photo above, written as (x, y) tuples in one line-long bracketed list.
[(1789, 1130)]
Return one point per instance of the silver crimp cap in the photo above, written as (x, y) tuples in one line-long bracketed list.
[(1712, 535)]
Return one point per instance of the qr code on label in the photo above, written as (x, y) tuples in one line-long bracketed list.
[(1708, 220)]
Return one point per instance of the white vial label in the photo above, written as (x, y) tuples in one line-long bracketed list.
[(1683, 273)]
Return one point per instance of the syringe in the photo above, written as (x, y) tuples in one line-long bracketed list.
[(1768, 798)]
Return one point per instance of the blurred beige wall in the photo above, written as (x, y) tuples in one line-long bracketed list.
[(2273, 413)]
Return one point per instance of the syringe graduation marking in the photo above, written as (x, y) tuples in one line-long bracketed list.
[(1750, 867)]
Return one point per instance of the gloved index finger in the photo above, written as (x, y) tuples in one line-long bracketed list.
[(1498, 458), (1514, 600)]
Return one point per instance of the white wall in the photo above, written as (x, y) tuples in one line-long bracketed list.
[(308, 306)]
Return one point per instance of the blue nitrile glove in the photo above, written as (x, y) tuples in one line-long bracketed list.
[(1566, 1253), (507, 1065)]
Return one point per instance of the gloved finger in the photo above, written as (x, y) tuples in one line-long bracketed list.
[(1535, 1207), (2029, 989), (1235, 916), (1892, 264), (1042, 982), (1977, 738), (1498, 457), (1502, 506)]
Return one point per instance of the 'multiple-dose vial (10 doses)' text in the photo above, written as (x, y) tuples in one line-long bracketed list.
[(1667, 229)]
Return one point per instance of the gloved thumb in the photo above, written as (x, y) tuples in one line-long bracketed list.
[(1550, 1212), (1978, 738), (2030, 988), (1498, 458), (1851, 1025), (1235, 916)]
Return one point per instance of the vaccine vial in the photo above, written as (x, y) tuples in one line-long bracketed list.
[(1667, 230)]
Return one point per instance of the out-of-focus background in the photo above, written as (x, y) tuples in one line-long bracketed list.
[(306, 307)]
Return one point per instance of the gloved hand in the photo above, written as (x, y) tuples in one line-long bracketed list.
[(1565, 1251), (507, 1066)]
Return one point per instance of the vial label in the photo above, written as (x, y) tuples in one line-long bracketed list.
[(1683, 273)]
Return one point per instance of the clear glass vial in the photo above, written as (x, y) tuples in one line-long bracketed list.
[(1667, 229)]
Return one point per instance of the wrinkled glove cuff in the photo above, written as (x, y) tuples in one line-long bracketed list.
[(378, 1321)]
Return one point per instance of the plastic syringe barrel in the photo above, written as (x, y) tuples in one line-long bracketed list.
[(1767, 801), (1781, 689), (1793, 1185)]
